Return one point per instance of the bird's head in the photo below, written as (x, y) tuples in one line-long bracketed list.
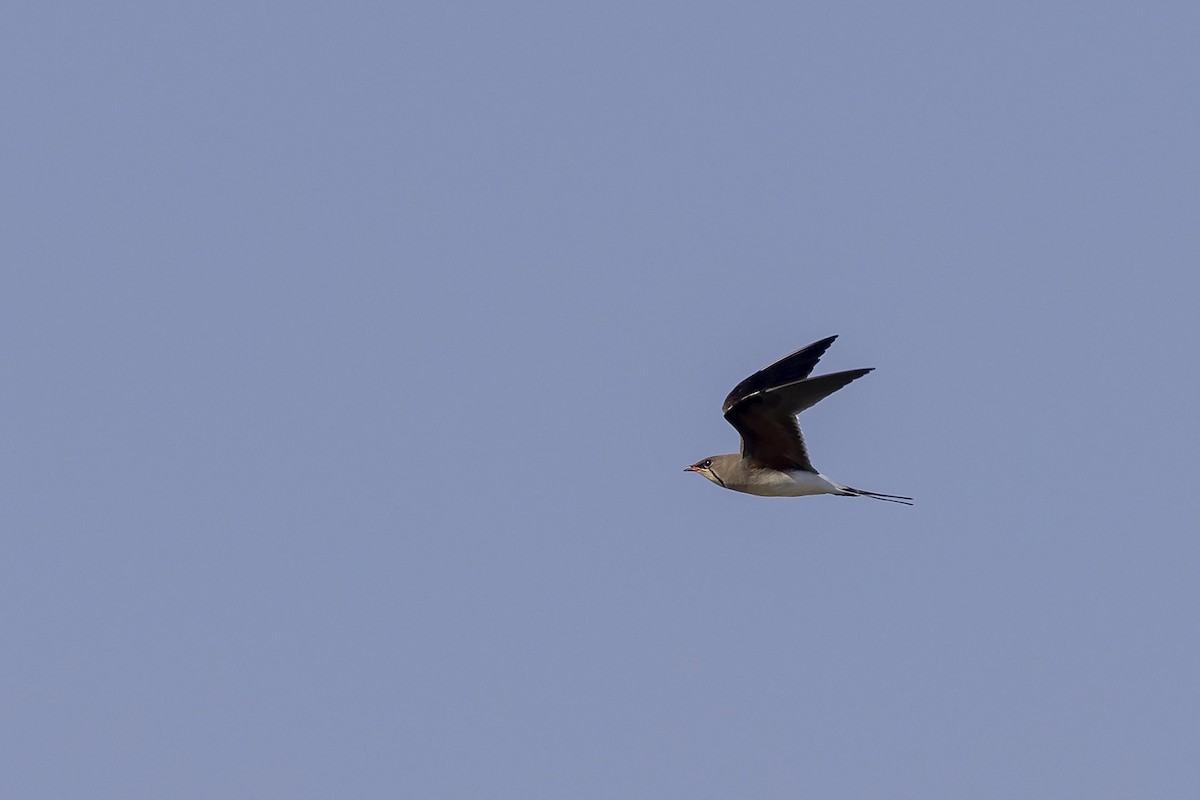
[(707, 467)]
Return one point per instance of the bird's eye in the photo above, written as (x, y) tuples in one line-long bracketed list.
[(707, 463)]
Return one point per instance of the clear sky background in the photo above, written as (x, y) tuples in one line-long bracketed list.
[(353, 352)]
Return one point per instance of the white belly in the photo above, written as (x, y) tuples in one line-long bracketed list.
[(790, 484)]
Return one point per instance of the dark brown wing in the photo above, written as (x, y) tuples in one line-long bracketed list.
[(789, 369), (771, 439), (766, 417)]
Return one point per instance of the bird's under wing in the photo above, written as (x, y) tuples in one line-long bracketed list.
[(766, 417)]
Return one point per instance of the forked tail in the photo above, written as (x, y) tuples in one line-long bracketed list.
[(890, 498)]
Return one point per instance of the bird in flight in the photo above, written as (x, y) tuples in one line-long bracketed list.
[(763, 408)]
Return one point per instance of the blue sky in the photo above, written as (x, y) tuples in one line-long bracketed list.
[(353, 354)]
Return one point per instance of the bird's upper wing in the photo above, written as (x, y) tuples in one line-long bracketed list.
[(789, 369), (764, 412)]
